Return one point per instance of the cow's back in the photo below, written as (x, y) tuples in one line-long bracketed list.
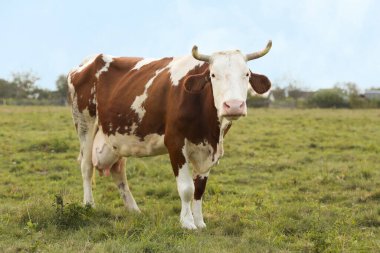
[(131, 96)]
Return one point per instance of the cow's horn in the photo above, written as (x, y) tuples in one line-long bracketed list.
[(198, 56), (259, 54)]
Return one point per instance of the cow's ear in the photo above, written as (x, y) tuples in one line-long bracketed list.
[(259, 83), (196, 83)]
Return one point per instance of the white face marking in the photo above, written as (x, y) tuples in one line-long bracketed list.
[(107, 59), (139, 100), (229, 78), (143, 62), (179, 67)]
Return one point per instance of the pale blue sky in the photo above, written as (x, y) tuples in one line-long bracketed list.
[(317, 42)]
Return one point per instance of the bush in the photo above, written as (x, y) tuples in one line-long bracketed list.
[(329, 98), (71, 216), (257, 101)]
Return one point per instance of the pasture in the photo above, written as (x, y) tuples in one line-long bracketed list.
[(290, 180)]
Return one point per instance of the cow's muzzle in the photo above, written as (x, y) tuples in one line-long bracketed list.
[(234, 109)]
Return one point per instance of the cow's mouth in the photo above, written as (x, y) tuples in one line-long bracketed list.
[(231, 117)]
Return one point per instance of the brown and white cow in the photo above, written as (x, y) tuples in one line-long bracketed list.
[(125, 106)]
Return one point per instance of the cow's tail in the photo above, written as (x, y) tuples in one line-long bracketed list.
[(94, 176)]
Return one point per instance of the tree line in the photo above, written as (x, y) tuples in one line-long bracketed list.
[(22, 89), (341, 95)]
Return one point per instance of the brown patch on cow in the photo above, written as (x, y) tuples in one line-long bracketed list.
[(155, 104), (177, 159), (193, 114), (200, 186), (118, 88), (227, 128), (259, 83)]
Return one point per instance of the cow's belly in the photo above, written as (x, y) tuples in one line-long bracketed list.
[(130, 145)]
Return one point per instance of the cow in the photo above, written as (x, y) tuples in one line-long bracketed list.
[(138, 107)]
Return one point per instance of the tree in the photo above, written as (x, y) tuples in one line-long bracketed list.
[(329, 98), (294, 92), (25, 83), (351, 90), (62, 87), (7, 89), (278, 93)]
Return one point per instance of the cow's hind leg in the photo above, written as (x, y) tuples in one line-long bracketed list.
[(200, 181), (85, 126), (120, 179), (86, 166)]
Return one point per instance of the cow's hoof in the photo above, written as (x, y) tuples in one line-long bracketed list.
[(89, 203), (134, 210), (200, 224), (188, 225)]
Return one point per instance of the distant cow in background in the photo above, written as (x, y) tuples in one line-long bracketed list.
[(126, 106)]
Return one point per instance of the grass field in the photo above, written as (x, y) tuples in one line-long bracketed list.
[(290, 180)]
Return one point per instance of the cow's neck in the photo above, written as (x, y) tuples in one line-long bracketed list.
[(217, 126)]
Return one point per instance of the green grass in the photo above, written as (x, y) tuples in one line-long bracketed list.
[(290, 180)]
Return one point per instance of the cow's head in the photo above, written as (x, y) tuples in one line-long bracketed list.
[(230, 77)]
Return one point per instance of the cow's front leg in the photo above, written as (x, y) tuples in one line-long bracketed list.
[(185, 186), (200, 181), (120, 179)]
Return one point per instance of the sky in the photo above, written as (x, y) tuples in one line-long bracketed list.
[(316, 43)]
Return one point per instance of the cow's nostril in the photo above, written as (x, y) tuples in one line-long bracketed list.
[(226, 105), (242, 104)]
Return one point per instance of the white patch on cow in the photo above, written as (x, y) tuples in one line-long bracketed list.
[(139, 100), (107, 60), (180, 66), (202, 155), (133, 127), (85, 63), (137, 105), (143, 62), (185, 187), (223, 126), (131, 145), (71, 87)]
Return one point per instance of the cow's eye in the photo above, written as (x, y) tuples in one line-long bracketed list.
[(247, 74), (212, 75)]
